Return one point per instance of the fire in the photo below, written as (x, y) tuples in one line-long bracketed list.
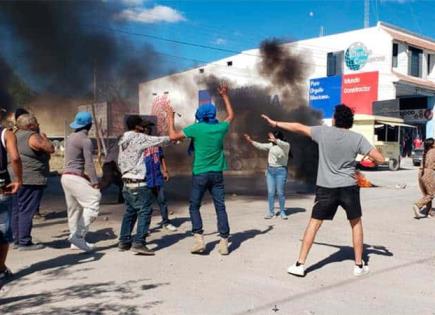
[(362, 181)]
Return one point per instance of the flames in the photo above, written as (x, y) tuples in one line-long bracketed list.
[(362, 181)]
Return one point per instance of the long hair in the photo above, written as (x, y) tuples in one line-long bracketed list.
[(428, 144), (278, 134)]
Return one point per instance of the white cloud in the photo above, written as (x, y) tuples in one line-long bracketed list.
[(220, 41), (133, 3), (159, 13)]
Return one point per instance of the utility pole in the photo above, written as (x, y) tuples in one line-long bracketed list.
[(96, 122), (366, 13), (322, 31)]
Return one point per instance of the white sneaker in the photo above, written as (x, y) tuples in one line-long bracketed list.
[(296, 270), (170, 227), (357, 271), (417, 212), (90, 245), (80, 243)]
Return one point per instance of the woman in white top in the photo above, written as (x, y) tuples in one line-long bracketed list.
[(276, 173)]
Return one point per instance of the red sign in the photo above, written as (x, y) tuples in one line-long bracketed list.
[(359, 91)]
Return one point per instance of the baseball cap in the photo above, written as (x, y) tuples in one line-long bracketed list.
[(81, 120)]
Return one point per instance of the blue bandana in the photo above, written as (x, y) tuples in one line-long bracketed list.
[(206, 113)]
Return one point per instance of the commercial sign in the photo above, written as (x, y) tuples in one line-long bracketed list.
[(416, 115), (357, 55), (325, 93), (357, 91), (360, 90)]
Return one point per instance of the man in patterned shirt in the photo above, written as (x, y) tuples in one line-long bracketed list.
[(138, 197)]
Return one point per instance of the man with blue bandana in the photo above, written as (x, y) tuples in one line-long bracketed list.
[(207, 136)]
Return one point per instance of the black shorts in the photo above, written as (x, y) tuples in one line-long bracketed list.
[(328, 199)]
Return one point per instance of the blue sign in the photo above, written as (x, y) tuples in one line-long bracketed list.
[(356, 56), (325, 93), (204, 97)]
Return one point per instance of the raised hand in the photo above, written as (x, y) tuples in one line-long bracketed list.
[(247, 137), (268, 120), (223, 89)]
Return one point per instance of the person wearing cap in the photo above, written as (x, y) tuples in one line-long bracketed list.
[(35, 149), (137, 195), (156, 176), (80, 182), (209, 162)]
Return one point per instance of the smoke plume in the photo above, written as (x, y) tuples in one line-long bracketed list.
[(5, 77), (59, 44)]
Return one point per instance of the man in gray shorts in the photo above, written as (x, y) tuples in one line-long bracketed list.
[(336, 183)]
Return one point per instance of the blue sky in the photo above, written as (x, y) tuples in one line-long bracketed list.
[(240, 25)]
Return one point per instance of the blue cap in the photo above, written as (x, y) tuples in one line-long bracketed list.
[(82, 119)]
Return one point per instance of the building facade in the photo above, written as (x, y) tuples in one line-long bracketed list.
[(382, 70)]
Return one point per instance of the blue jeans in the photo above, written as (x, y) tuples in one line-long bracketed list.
[(276, 179), (138, 201), (25, 205), (5, 220), (159, 194), (214, 183)]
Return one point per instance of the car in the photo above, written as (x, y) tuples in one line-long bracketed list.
[(417, 156)]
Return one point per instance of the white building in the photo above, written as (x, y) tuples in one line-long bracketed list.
[(381, 70)]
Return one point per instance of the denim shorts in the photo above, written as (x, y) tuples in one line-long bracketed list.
[(328, 199), (5, 220)]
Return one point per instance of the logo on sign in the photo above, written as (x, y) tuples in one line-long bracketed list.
[(356, 56)]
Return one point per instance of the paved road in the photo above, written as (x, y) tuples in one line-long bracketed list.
[(253, 278)]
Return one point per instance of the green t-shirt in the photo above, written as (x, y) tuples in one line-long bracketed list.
[(209, 146)]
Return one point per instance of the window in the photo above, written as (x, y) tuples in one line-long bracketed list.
[(415, 56), (334, 63), (229, 63), (395, 54), (429, 66), (201, 70), (386, 133)]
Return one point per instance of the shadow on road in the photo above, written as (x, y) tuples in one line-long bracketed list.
[(290, 211), (237, 239), (347, 253), (102, 295), (92, 237)]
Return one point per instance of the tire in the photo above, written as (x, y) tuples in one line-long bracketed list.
[(394, 164)]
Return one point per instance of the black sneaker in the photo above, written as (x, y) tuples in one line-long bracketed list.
[(31, 246), (124, 246), (142, 249)]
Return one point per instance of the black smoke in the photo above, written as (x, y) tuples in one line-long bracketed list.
[(59, 45), (283, 100), (5, 78)]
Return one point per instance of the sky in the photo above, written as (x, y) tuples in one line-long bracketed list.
[(233, 26), (182, 34)]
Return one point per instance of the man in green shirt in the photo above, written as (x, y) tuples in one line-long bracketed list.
[(207, 136)]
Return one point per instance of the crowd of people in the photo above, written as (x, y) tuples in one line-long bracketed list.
[(137, 165)]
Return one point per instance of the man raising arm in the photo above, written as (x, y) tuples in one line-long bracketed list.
[(336, 183), (207, 136)]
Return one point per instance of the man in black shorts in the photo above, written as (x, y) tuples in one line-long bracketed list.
[(336, 183)]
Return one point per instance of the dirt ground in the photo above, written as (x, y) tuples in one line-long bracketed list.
[(253, 278)]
